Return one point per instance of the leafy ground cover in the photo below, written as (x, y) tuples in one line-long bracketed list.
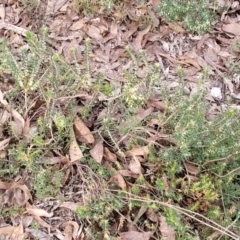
[(119, 120)]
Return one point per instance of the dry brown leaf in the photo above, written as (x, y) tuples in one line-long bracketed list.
[(138, 151), (11, 2), (42, 222), (97, 151), (233, 28), (176, 27), (82, 132), (133, 28), (7, 230), (75, 151), (94, 32), (37, 211), (119, 180), (137, 42), (17, 193), (224, 54), (71, 205), (202, 62), (67, 50), (4, 143), (135, 166), (58, 4), (78, 25), (172, 59), (4, 117), (134, 235), (127, 173), (191, 61), (191, 167), (166, 231), (108, 155), (2, 12), (151, 215), (70, 229), (18, 232)]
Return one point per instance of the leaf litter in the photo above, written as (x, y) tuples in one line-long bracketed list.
[(166, 43)]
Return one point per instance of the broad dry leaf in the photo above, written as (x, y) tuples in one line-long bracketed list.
[(134, 235), (82, 132), (75, 151), (4, 117), (70, 229), (176, 27), (4, 143), (119, 180), (191, 167), (23, 189), (223, 54), (138, 151), (97, 151), (166, 231), (2, 12), (18, 232), (191, 61), (108, 155), (37, 211), (18, 118), (233, 28), (135, 166), (6, 230), (78, 25)]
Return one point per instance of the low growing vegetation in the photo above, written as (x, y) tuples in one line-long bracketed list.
[(136, 164)]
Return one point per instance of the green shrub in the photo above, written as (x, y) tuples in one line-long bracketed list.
[(196, 15)]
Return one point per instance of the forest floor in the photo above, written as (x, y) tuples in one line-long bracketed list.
[(85, 160)]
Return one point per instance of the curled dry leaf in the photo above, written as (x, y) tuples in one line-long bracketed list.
[(191, 167), (17, 194), (166, 230), (82, 132), (138, 151), (37, 211), (70, 230), (134, 235), (75, 151)]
